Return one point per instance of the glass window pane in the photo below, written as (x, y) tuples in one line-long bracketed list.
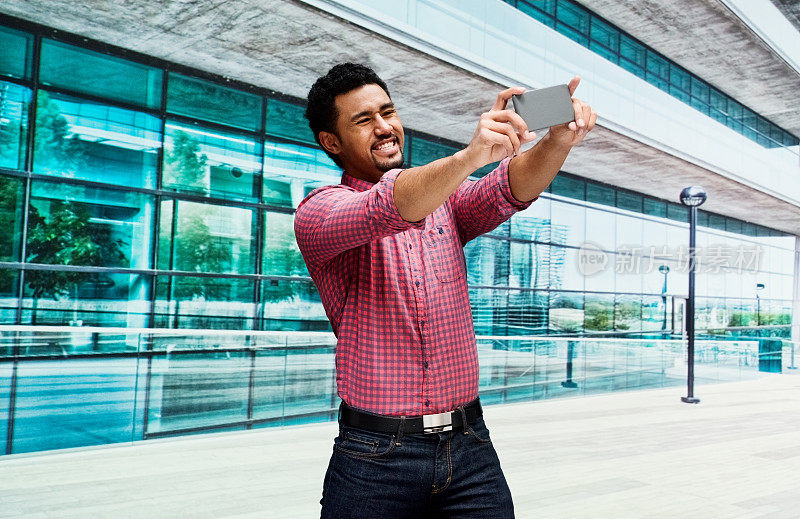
[(573, 16), (600, 194), (680, 79), (207, 238), (205, 100), (281, 255), (598, 313), (91, 141), (629, 201), (210, 162), (678, 212), (292, 305), (572, 34), (98, 74), (86, 299), (14, 102), (532, 223), (609, 54), (11, 216), (628, 313), (204, 303), (425, 151), (76, 225), (544, 11), (15, 60), (565, 314), (632, 51), (288, 120), (657, 71), (568, 186), (655, 207), (568, 225), (292, 171), (605, 34)]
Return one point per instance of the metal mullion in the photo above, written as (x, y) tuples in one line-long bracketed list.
[(28, 83), (155, 240), (187, 119), (261, 221), (99, 99)]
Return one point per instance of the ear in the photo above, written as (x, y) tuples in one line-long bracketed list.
[(330, 142)]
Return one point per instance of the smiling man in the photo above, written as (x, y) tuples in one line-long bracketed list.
[(385, 249)]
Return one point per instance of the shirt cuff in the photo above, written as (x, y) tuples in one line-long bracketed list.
[(386, 207), (505, 188)]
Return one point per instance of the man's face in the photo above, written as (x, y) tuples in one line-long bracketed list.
[(370, 134)]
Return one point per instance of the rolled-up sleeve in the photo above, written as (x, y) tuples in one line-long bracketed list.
[(334, 219), (481, 205)]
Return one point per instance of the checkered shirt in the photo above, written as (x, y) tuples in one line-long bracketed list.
[(396, 292)]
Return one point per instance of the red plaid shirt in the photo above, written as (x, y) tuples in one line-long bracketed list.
[(396, 292)]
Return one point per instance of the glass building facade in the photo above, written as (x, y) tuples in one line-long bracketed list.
[(139, 193), (605, 39)]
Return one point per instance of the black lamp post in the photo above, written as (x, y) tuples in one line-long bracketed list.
[(692, 197), (664, 269)]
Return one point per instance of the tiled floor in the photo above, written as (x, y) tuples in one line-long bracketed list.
[(634, 454)]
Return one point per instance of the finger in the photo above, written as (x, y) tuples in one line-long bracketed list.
[(505, 95), (587, 113), (577, 106), (510, 116), (502, 140), (592, 119), (573, 84), (508, 131)]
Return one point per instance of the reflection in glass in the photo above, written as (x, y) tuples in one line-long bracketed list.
[(15, 60), (85, 299), (628, 313), (292, 305), (598, 313), (210, 162), (568, 223), (566, 313), (203, 303), (76, 225), (205, 100), (292, 171), (91, 141), (281, 255), (287, 120), (14, 100), (11, 201), (90, 72), (532, 223), (206, 238)]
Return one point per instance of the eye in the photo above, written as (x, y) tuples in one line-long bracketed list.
[(362, 121)]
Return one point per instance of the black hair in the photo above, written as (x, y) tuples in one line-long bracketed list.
[(342, 78)]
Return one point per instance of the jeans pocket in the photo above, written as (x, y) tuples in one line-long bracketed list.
[(479, 431), (360, 443)]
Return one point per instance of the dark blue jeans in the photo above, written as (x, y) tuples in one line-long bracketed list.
[(447, 474)]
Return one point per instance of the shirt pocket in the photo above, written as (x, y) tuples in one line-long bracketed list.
[(446, 252)]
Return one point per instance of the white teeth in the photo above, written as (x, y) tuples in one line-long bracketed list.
[(385, 146)]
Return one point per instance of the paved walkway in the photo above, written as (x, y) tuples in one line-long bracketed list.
[(635, 454)]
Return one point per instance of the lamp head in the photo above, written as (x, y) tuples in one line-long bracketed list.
[(664, 269), (693, 196)]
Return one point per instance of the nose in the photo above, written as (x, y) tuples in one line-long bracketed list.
[(381, 126)]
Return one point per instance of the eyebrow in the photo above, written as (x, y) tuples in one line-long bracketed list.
[(361, 114)]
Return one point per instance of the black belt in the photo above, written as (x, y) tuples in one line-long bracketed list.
[(429, 423)]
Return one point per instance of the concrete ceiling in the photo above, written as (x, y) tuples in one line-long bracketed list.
[(284, 45), (706, 38), (791, 10)]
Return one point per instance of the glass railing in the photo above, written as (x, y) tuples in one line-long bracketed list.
[(63, 387)]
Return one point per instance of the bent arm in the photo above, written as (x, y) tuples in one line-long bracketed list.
[(337, 219)]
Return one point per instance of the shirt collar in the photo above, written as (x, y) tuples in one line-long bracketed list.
[(356, 183)]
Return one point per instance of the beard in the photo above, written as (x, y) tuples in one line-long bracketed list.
[(385, 164)]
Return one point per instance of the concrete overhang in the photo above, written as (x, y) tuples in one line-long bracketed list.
[(284, 45), (708, 39)]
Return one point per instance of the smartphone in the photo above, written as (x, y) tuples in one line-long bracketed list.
[(545, 107)]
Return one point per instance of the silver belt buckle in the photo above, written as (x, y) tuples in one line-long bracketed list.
[(434, 423)]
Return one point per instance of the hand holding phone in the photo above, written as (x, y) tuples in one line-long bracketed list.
[(545, 107)]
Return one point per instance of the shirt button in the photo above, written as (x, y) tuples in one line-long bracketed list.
[(410, 246), (441, 231), (427, 402), (422, 323), (417, 282), (425, 364)]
